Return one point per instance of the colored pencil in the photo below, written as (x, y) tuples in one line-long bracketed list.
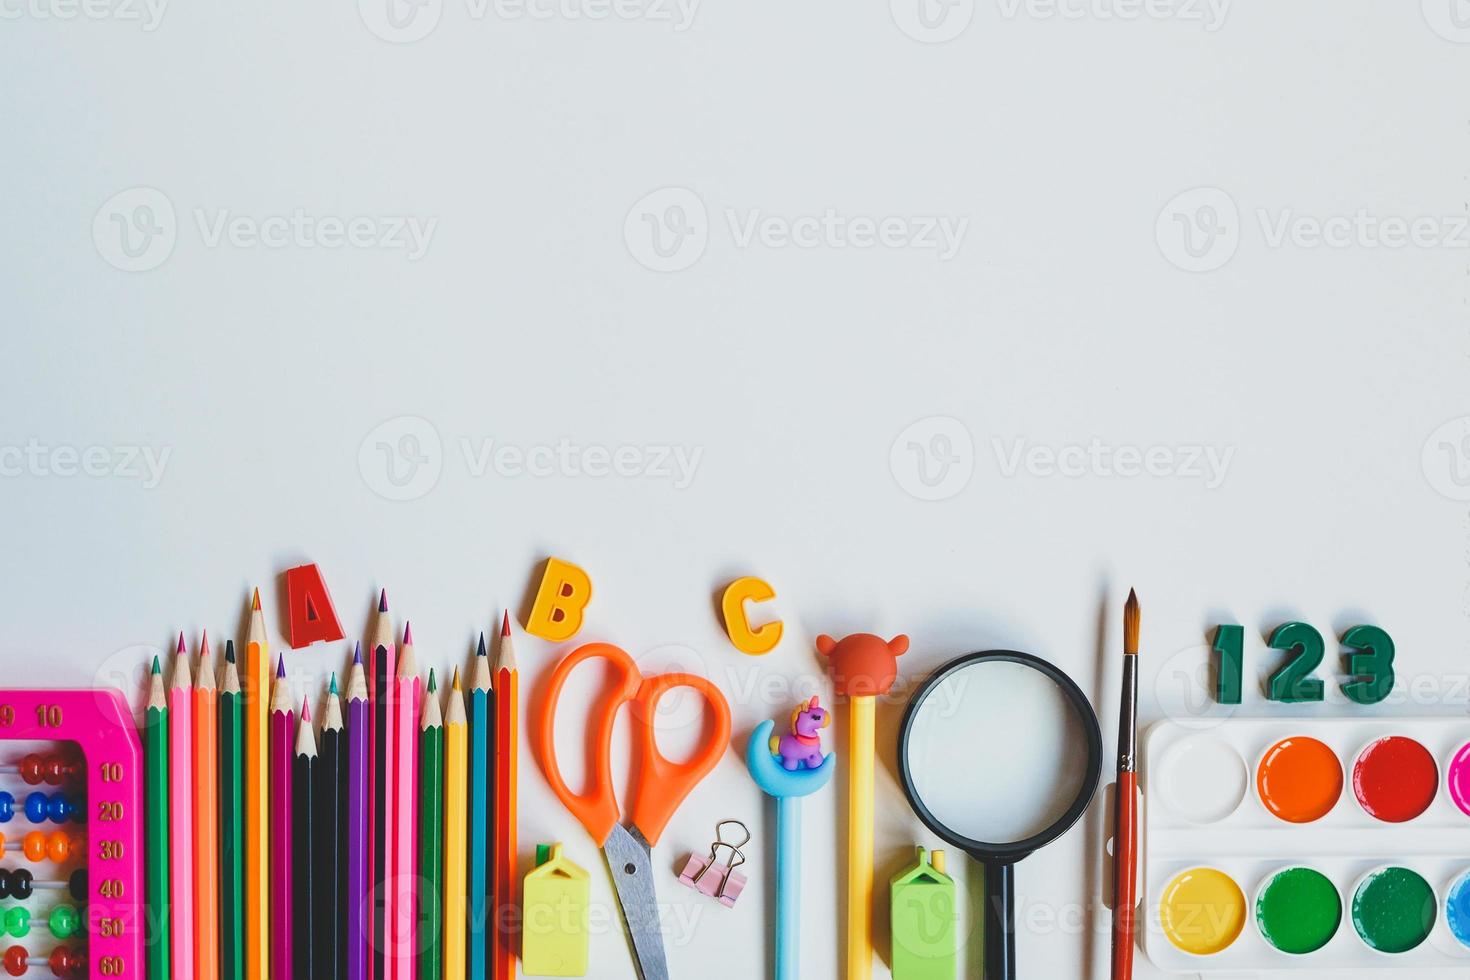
[(331, 920), (256, 695), (507, 682), (231, 809), (206, 819), (1125, 834), (156, 813), (359, 817), (403, 926), (456, 737), (283, 737), (181, 811), (860, 837), (431, 835), (303, 880), (381, 656), (482, 712)]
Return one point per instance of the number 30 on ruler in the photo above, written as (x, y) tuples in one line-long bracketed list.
[(1370, 663)]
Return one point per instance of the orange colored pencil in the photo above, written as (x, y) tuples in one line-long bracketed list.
[(256, 691), (206, 819), (503, 946)]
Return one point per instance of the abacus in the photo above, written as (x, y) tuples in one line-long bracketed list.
[(71, 836)]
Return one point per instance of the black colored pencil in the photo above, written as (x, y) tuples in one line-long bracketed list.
[(382, 691), (303, 821)]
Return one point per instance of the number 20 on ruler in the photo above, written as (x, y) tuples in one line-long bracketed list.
[(1370, 663)]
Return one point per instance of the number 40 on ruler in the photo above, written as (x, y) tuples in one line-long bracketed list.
[(1369, 656)]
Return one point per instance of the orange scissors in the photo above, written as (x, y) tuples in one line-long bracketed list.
[(659, 786)]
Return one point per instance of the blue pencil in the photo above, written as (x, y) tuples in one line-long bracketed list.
[(481, 718)]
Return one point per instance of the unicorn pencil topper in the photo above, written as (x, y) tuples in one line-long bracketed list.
[(801, 747)]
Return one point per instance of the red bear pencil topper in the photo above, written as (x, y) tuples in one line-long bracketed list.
[(863, 665)]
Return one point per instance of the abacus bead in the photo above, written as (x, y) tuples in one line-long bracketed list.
[(20, 883), (58, 847), (4, 883), (15, 961), (59, 808), (61, 961), (56, 770), (18, 922), (31, 768), (33, 845), (7, 807), (64, 921), (77, 884), (36, 807)]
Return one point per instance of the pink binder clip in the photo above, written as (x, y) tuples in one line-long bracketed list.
[(725, 884)]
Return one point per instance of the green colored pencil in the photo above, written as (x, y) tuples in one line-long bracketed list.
[(157, 809), (232, 812), (431, 837)]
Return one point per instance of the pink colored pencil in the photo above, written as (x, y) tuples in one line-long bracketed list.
[(283, 759), (181, 813), (403, 949)]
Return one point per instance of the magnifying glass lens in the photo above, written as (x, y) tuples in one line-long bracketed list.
[(997, 752)]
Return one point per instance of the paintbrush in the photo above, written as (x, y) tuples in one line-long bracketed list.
[(1125, 826)]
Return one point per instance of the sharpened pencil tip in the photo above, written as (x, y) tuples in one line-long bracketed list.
[(281, 665), (180, 647), (383, 601), (332, 684), (204, 645), (432, 686), (480, 652), (407, 633), (306, 709), (505, 624), (229, 651), (357, 653), (158, 669), (454, 683), (255, 601)]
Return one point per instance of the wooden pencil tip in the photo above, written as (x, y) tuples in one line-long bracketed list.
[(158, 668), (357, 653), (229, 651), (432, 686), (1130, 623), (408, 633), (255, 601), (332, 684), (383, 601), (204, 646), (480, 651), (454, 683), (180, 647), (306, 709), (505, 624), (281, 665)]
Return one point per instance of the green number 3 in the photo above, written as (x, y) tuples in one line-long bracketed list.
[(1371, 661), (1293, 682)]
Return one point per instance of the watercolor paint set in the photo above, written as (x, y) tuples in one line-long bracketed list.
[(1273, 844)]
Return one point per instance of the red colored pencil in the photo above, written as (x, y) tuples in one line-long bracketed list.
[(503, 950), (283, 759)]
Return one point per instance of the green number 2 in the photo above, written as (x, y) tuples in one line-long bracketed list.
[(1293, 682), (1371, 658)]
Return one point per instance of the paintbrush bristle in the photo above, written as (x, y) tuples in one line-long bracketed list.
[(1130, 623)]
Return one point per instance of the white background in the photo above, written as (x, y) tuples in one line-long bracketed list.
[(1072, 311)]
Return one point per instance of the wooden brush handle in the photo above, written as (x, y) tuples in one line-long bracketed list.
[(1125, 875)]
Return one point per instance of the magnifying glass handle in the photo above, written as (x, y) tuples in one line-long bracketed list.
[(1000, 922)]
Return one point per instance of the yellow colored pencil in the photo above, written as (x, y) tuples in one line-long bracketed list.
[(257, 825), (456, 777), (206, 819)]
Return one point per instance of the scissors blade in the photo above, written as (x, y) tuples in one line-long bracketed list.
[(631, 864)]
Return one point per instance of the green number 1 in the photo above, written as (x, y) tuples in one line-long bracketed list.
[(1229, 640), (1372, 658)]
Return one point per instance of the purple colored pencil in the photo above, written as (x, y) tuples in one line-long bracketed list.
[(359, 812), (283, 758)]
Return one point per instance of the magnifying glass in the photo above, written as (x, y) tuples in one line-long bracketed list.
[(1000, 754)]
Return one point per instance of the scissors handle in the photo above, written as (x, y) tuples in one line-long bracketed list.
[(597, 808), (659, 785)]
